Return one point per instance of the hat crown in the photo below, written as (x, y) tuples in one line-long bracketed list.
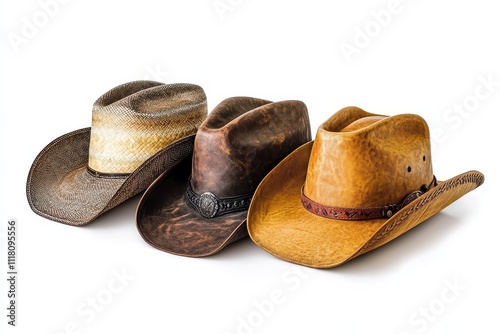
[(361, 160), (133, 121), (241, 140)]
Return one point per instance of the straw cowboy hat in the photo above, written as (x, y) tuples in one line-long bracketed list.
[(200, 206), (364, 181), (139, 130)]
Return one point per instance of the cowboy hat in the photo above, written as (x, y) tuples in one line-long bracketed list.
[(365, 180), (200, 206), (139, 129)]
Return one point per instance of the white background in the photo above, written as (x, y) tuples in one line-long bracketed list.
[(427, 58)]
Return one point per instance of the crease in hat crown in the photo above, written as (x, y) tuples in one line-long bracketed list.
[(133, 121), (234, 148), (364, 160)]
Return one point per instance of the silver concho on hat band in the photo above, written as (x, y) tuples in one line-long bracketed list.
[(210, 206)]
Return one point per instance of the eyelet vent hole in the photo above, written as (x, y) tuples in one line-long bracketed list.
[(423, 158), (409, 169)]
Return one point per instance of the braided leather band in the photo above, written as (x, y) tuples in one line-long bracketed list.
[(210, 206), (362, 213)]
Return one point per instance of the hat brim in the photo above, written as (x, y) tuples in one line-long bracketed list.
[(167, 221), (279, 224), (60, 188)]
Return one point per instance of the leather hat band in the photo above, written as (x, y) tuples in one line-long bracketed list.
[(362, 213), (107, 175), (210, 206)]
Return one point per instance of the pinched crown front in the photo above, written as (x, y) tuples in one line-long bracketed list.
[(238, 144), (361, 160)]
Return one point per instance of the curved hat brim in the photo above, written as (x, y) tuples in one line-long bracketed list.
[(60, 188), (278, 223), (167, 221)]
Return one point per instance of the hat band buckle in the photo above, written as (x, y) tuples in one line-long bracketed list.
[(210, 206)]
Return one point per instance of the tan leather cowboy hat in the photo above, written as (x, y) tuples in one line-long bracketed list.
[(365, 180), (139, 130), (200, 206)]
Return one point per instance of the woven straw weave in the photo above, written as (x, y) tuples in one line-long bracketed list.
[(143, 128), (127, 130)]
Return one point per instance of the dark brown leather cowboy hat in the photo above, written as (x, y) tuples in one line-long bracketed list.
[(365, 180), (200, 206), (139, 129)]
